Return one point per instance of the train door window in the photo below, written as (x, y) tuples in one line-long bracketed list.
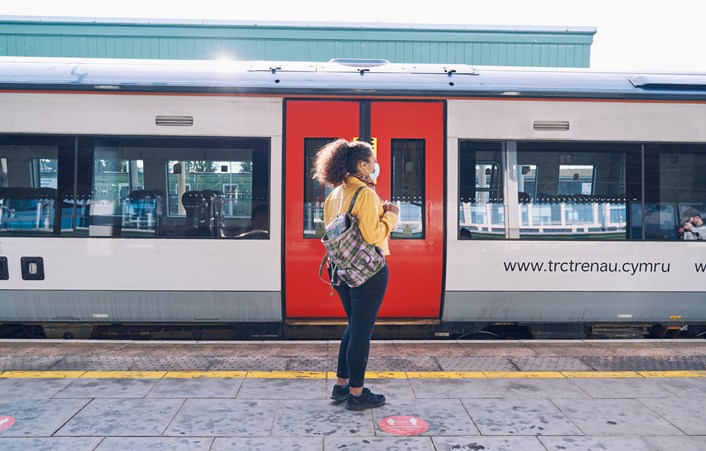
[(315, 193), (575, 191), (408, 187), (675, 191), (481, 210), (181, 187), (32, 185)]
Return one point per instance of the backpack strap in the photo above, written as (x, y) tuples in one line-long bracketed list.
[(331, 282), (355, 196)]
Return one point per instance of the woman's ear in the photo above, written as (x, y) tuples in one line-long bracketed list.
[(361, 167)]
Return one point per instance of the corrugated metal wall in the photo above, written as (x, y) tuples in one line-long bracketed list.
[(545, 47)]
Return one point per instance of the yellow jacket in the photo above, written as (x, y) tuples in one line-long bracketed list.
[(374, 223)]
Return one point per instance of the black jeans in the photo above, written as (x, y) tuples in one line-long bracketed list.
[(361, 305)]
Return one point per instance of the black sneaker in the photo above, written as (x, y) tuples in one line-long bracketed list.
[(366, 400), (340, 393)]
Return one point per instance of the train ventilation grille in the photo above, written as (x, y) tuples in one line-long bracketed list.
[(551, 125), (175, 121)]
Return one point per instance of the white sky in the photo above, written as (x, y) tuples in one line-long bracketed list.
[(632, 35)]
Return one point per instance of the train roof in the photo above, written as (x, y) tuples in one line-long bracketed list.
[(367, 78)]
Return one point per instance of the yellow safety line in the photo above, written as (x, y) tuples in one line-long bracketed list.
[(205, 374), (446, 375), (602, 374), (42, 374), (124, 374), (671, 374), (332, 375), (286, 375), (524, 375), (381, 375)]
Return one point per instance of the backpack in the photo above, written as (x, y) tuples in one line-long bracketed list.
[(352, 259)]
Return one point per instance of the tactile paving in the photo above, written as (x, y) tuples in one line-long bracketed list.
[(312, 364), (84, 363), (265, 363), (403, 364), (476, 364), (550, 364), (646, 363), (170, 364), (384, 356), (27, 363)]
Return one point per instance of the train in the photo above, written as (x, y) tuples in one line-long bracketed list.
[(163, 199)]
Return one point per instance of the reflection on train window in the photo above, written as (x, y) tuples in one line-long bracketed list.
[(185, 187), (571, 191), (675, 189), (32, 203), (315, 193), (481, 210), (115, 182), (408, 187)]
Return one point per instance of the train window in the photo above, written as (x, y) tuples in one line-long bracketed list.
[(408, 187), (481, 210), (314, 192), (35, 197), (675, 190), (113, 202), (180, 187), (573, 190)]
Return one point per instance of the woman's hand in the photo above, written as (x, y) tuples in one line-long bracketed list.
[(388, 206)]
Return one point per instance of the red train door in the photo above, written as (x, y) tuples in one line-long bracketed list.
[(409, 141)]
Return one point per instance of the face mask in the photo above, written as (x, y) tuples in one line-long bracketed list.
[(375, 173)]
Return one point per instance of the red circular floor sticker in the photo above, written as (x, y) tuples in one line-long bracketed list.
[(6, 422), (403, 425)]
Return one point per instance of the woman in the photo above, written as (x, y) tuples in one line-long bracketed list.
[(347, 166)]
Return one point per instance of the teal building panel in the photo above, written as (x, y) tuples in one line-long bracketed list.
[(283, 41)]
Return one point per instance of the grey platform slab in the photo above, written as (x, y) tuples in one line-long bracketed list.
[(689, 415), (628, 388), (155, 444), (681, 443), (596, 444), (180, 388), (268, 444), (122, 417), (223, 418), (31, 388), (453, 388), (487, 443), (39, 417), (107, 388), (537, 388), (50, 444), (301, 418), (597, 417), (682, 387), (283, 389), (378, 444), (519, 417)]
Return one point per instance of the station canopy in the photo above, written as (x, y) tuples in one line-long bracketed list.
[(567, 47)]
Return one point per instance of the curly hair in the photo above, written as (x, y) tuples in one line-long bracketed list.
[(337, 159)]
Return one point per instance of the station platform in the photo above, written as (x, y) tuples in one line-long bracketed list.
[(441, 395)]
